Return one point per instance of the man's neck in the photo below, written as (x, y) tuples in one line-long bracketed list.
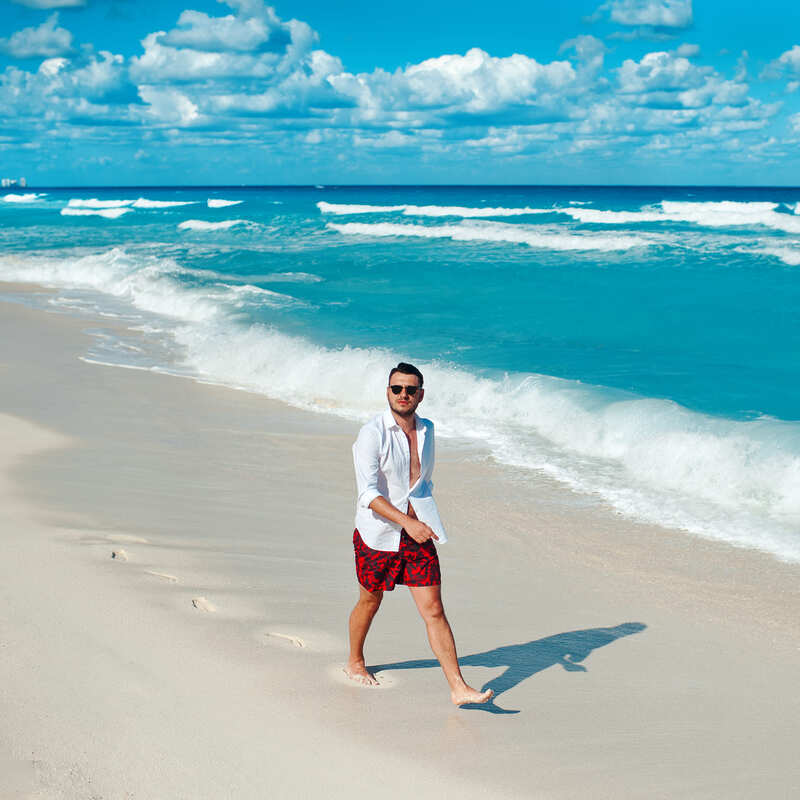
[(407, 422)]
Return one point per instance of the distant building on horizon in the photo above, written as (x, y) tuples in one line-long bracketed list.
[(8, 182)]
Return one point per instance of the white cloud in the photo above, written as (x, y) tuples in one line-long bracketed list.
[(688, 50), (248, 77), (252, 44), (660, 71), (50, 3), (787, 63), (589, 50), (46, 40), (63, 89), (654, 13), (169, 106), (475, 83), (256, 27)]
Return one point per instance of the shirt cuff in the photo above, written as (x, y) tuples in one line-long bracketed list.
[(367, 496)]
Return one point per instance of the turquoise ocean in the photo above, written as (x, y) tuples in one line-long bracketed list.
[(638, 344)]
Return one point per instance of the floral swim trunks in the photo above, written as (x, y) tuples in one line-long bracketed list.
[(413, 565)]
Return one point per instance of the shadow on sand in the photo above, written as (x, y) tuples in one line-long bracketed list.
[(523, 660)]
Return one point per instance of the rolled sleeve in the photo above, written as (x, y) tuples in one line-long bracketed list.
[(366, 459)]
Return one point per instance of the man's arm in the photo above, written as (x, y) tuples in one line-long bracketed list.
[(418, 531)]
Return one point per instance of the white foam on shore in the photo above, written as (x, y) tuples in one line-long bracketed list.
[(148, 283), (107, 213), (214, 202), (737, 481), (495, 232), (28, 197), (429, 211), (205, 225)]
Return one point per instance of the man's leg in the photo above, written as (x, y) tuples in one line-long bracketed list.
[(360, 620), (429, 604)]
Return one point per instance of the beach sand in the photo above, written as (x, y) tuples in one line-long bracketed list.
[(203, 660)]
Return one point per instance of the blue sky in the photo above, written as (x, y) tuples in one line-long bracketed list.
[(301, 91)]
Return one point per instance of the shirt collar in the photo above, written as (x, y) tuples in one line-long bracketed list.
[(390, 422)]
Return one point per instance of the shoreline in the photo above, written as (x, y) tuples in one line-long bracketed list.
[(214, 479)]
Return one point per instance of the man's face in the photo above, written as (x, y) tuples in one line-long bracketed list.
[(404, 404)]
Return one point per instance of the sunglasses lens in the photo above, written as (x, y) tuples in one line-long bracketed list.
[(410, 390)]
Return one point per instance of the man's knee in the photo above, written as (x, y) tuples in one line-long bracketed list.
[(370, 600), (432, 611)]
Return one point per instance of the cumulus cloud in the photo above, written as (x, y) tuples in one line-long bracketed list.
[(646, 19), (46, 40), (475, 83), (256, 27), (64, 89), (589, 50), (787, 63), (50, 3), (247, 76), (252, 44), (670, 80), (654, 13)]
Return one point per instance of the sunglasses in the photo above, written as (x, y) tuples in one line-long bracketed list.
[(410, 390)]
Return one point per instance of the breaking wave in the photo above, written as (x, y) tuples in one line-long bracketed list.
[(429, 211), (205, 225), (495, 232), (653, 459), (28, 197), (214, 202), (108, 213)]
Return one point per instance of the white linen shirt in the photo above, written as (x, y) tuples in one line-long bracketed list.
[(383, 462)]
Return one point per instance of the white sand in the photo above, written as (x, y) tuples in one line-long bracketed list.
[(205, 664)]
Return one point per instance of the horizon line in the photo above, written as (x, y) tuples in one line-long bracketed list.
[(411, 186)]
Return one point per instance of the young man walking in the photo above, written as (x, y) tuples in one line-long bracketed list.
[(396, 525)]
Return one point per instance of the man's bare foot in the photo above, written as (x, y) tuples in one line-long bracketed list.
[(358, 672), (470, 695)]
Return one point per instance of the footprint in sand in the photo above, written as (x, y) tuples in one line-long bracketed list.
[(295, 640), (202, 604), (338, 673), (165, 575)]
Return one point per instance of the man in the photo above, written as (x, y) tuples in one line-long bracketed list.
[(396, 525)]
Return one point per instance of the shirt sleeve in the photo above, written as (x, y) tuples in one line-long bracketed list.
[(431, 439), (366, 459)]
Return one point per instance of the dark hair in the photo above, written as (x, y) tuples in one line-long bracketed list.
[(406, 369)]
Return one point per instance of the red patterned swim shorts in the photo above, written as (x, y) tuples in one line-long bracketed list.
[(413, 565)]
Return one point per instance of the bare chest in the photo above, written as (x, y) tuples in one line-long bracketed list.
[(414, 464)]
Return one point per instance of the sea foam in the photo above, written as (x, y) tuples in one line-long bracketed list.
[(214, 202), (143, 202), (724, 214), (789, 255), (107, 213), (430, 211), (28, 197), (93, 202), (650, 458), (205, 225), (495, 232)]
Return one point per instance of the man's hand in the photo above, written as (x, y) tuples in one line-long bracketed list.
[(419, 531)]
